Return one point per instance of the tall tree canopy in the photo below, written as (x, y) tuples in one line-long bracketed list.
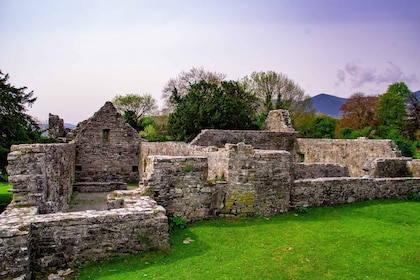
[(185, 80), (392, 107), (16, 126), (208, 105), (137, 104), (359, 111), (277, 91)]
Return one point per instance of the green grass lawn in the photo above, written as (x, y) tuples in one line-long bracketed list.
[(5, 196), (369, 240)]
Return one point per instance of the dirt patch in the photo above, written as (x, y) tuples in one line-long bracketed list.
[(88, 201)]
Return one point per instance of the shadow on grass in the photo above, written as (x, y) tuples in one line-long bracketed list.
[(321, 213)]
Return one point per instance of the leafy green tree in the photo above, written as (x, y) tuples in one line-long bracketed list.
[(16, 126), (138, 105), (392, 107), (134, 108), (182, 83), (325, 127), (208, 105)]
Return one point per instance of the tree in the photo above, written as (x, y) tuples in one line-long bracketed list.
[(208, 105), (134, 107), (359, 111), (325, 127), (139, 105), (16, 126), (392, 107), (412, 125), (185, 80), (276, 90)]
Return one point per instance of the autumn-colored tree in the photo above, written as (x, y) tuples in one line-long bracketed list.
[(359, 111)]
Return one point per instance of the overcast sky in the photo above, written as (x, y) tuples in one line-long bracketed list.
[(76, 55)]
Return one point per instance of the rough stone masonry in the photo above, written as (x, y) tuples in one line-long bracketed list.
[(220, 173)]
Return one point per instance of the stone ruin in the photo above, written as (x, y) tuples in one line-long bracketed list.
[(220, 173)]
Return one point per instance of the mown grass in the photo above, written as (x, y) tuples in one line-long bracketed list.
[(369, 240), (5, 196)]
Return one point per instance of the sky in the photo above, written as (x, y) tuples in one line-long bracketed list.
[(77, 54)]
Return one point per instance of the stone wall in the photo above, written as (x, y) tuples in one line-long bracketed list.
[(14, 242), (217, 157), (180, 185), (263, 140), (42, 243), (350, 153), (108, 149), (42, 175), (55, 126), (279, 120), (335, 191), (387, 167), (318, 170), (256, 181)]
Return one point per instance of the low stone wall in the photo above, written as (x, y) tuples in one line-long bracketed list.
[(318, 170), (217, 163), (14, 242), (42, 175), (334, 191), (263, 140), (350, 153), (30, 242)]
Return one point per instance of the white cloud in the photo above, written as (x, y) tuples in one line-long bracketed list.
[(360, 76)]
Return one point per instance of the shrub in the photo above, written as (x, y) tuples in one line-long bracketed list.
[(302, 209), (414, 196), (177, 223)]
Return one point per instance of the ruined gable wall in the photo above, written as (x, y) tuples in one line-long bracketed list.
[(350, 153), (107, 148), (42, 175)]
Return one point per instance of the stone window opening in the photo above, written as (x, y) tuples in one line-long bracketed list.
[(105, 135), (78, 168), (135, 168)]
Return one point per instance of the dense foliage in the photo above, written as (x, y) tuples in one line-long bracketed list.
[(393, 115), (16, 126), (209, 105)]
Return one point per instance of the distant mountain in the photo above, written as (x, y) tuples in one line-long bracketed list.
[(69, 125), (328, 104)]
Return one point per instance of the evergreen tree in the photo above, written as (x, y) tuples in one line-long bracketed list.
[(16, 126)]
